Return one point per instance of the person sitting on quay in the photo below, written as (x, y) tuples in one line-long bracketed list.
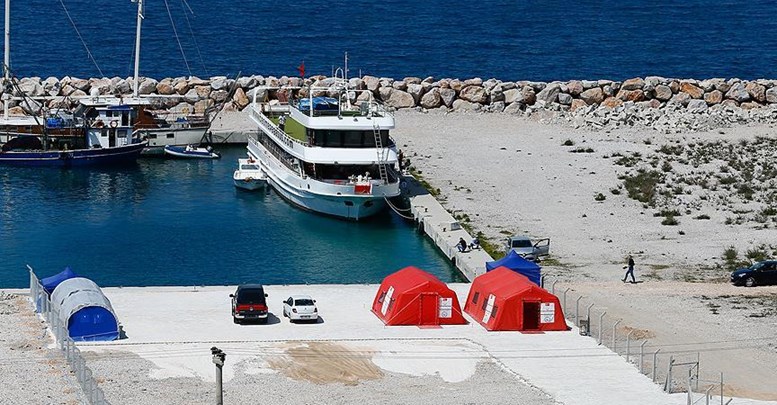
[(462, 245), (475, 244)]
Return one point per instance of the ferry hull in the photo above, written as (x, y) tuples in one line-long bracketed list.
[(73, 158), (352, 208)]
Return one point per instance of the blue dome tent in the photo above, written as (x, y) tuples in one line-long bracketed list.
[(85, 310), (518, 264)]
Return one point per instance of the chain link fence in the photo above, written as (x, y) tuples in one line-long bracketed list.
[(676, 372), (40, 299)]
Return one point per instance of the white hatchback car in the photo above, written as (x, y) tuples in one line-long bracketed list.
[(300, 308)]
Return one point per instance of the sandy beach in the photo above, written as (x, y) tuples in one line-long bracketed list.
[(503, 174)]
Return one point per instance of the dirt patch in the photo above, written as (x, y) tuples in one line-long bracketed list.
[(638, 334), (327, 362)]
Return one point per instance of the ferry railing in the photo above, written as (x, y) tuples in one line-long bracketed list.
[(274, 130), (93, 394)]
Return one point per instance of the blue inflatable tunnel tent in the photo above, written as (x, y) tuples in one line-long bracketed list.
[(518, 264), (85, 310)]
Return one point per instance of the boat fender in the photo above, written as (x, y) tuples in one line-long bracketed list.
[(248, 179), (99, 124), (114, 124)]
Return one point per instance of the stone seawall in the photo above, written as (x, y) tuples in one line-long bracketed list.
[(665, 104)]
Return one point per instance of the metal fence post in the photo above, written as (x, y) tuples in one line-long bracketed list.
[(628, 344), (655, 359), (642, 357), (577, 310), (564, 305), (601, 320), (614, 331), (588, 314), (668, 383), (542, 281), (553, 287)]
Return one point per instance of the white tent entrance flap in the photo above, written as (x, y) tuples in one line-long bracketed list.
[(445, 308), (386, 300), (489, 308), (547, 312)]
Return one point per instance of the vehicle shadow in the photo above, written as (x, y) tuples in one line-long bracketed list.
[(271, 320)]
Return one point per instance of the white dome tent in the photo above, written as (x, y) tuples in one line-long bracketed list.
[(85, 310)]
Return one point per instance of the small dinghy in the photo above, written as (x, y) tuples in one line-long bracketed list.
[(192, 152), (249, 176)]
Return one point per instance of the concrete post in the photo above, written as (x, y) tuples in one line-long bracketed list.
[(218, 360), (642, 357)]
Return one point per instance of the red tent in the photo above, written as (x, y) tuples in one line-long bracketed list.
[(412, 296), (505, 300)]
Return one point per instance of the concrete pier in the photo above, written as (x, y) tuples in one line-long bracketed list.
[(444, 230)]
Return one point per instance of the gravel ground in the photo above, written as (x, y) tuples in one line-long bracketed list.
[(32, 372), (126, 379)]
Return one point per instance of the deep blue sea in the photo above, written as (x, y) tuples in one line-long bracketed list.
[(182, 222), (509, 40)]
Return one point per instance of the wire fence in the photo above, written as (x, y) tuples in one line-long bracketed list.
[(677, 371), (40, 299)]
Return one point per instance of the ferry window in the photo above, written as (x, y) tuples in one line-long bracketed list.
[(369, 139), (332, 138), (151, 136), (170, 136), (352, 139)]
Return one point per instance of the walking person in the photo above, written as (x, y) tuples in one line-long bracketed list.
[(630, 271)]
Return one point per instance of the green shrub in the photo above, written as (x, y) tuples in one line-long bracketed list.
[(568, 142), (642, 186), (600, 197), (670, 220)]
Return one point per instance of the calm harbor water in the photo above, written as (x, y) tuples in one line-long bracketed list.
[(506, 39), (176, 222)]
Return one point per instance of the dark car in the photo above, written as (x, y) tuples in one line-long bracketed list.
[(761, 273), (249, 303)]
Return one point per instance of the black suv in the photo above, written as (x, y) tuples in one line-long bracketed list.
[(761, 273), (249, 304)]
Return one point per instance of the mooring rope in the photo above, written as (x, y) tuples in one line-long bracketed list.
[(396, 210), (191, 32), (88, 52)]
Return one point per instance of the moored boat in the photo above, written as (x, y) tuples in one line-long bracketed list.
[(249, 175), (329, 155), (192, 152)]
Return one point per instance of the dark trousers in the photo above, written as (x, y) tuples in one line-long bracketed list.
[(630, 271)]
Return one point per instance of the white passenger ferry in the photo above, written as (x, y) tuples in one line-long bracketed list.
[(331, 155)]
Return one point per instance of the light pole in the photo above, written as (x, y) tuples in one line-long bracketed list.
[(218, 360)]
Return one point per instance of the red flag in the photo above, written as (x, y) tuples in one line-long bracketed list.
[(301, 69)]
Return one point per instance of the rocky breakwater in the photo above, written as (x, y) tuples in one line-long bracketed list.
[(666, 104)]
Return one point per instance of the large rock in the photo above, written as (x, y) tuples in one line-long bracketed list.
[(52, 86), (203, 92), (219, 82), (219, 95), (147, 86), (165, 87), (512, 96), (456, 85), (476, 81), (356, 83), (577, 104), (399, 85), (529, 97), (464, 105), (631, 95), (662, 92), (738, 93), (515, 108), (757, 92), (681, 98), (447, 95), (260, 94), (564, 99), (474, 94), (593, 95), (372, 83), (431, 99), (771, 95), (612, 102), (202, 106), (416, 90), (247, 82), (575, 87), (633, 84), (191, 96), (400, 99), (102, 86), (692, 90), (240, 99), (31, 87), (713, 97), (549, 94), (181, 87), (122, 87), (749, 105)]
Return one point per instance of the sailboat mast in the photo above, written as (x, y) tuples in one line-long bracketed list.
[(7, 58), (137, 48)]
